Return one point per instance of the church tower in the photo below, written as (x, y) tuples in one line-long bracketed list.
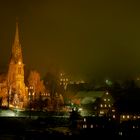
[(15, 78)]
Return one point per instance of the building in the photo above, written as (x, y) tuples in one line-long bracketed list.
[(94, 103), (63, 80), (15, 77), (16, 90)]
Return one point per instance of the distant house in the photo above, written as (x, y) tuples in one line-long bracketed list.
[(97, 103), (128, 107)]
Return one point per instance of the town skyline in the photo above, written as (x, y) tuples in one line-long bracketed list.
[(88, 40)]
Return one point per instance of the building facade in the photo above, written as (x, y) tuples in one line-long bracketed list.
[(17, 91)]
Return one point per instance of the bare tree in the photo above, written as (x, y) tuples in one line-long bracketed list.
[(35, 81)]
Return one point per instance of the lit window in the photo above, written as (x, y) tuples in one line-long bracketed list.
[(31, 87), (84, 119), (108, 99), (105, 105), (104, 99), (106, 93), (120, 133), (123, 116), (91, 126), (101, 105), (127, 116), (114, 116), (101, 112), (84, 126), (113, 110), (19, 63)]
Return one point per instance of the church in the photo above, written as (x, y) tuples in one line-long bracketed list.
[(13, 92)]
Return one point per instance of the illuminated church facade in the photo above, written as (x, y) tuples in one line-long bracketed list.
[(13, 91), (15, 76)]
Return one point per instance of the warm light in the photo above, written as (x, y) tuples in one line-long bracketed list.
[(104, 99), (84, 119), (106, 93), (91, 126), (123, 116), (74, 109), (80, 109), (31, 87), (101, 112), (120, 133), (84, 126), (113, 110), (19, 63)]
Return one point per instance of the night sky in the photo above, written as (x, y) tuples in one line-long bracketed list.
[(85, 38)]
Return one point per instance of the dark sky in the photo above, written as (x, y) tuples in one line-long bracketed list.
[(84, 38)]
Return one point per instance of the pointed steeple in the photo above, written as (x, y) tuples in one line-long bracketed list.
[(16, 41), (16, 48), (15, 76)]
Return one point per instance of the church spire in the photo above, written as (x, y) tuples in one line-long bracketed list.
[(16, 41), (15, 75), (16, 48)]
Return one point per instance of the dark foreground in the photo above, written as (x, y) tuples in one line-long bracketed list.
[(21, 128)]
